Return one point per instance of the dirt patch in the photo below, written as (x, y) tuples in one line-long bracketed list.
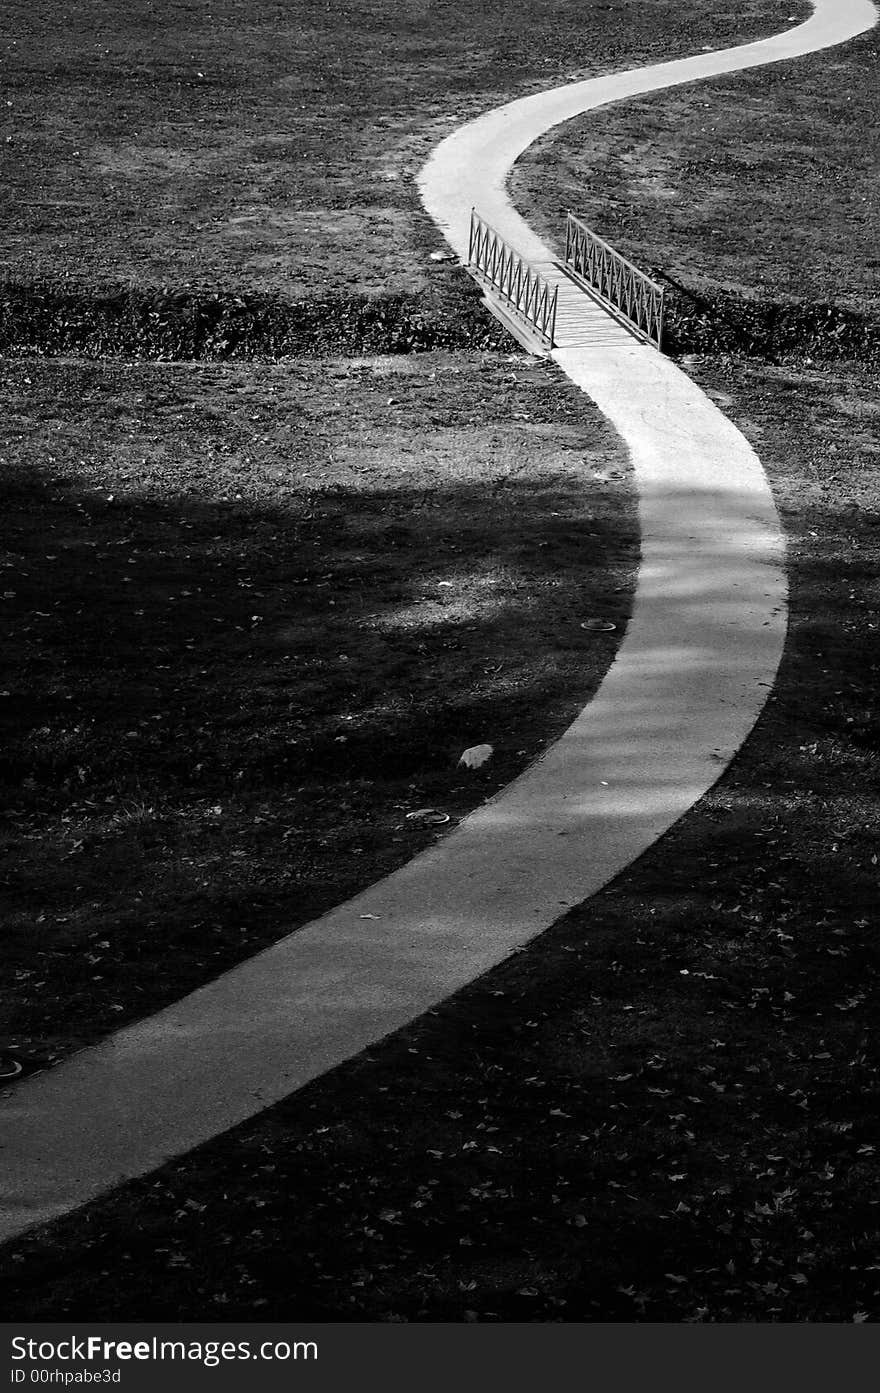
[(124, 323), (57, 320), (706, 323), (252, 618)]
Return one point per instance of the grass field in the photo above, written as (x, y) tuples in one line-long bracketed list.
[(787, 152), (258, 147), (253, 617), (759, 187), (665, 1109)]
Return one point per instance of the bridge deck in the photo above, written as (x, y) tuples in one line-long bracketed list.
[(581, 321)]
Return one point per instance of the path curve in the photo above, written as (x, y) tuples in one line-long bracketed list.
[(698, 658)]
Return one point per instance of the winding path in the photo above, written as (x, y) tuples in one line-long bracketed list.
[(689, 680)]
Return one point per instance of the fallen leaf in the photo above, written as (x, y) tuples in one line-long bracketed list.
[(476, 756)]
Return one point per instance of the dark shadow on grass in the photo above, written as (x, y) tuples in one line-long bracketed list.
[(218, 715), (664, 1111), (628, 1099)]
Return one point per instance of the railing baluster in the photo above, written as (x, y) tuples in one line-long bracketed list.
[(615, 280), (524, 288)]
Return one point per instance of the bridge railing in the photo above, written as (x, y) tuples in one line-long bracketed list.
[(523, 289), (615, 281)]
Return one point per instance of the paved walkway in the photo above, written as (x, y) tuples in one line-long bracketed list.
[(690, 677)]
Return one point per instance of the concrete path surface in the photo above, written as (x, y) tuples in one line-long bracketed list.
[(689, 680)]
